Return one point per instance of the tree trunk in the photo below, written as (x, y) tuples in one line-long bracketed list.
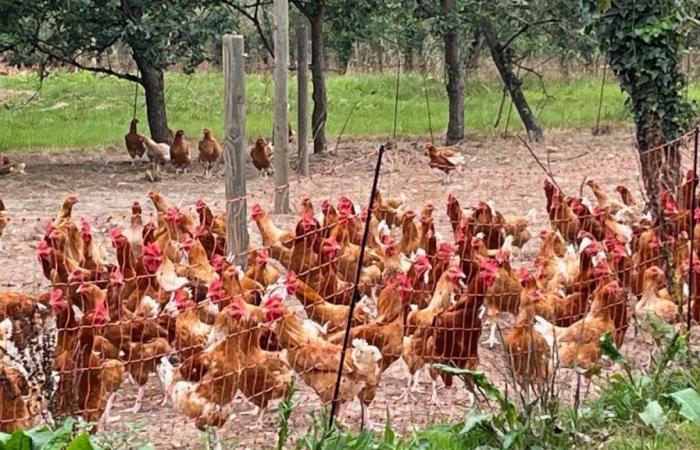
[(302, 96), (661, 165), (408, 60), (511, 82), (319, 114), (154, 88), (455, 78), (380, 56)]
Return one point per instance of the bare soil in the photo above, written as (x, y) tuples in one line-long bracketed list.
[(496, 168)]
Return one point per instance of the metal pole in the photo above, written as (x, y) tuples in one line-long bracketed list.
[(427, 104), (396, 98), (600, 100), (355, 289), (692, 224)]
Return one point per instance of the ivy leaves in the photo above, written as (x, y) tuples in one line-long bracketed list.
[(642, 40)]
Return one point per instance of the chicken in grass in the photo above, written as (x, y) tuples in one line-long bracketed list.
[(134, 144), (444, 160), (262, 155), (209, 151), (157, 153), (180, 153)]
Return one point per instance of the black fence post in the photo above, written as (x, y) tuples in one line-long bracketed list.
[(355, 289)]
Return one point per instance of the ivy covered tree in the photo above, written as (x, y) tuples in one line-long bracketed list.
[(158, 34), (643, 43)]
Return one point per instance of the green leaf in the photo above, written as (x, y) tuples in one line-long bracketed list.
[(689, 401), (82, 442), (57, 439), (389, 435), (478, 378), (18, 441), (607, 348), (473, 419), (510, 438), (654, 416)]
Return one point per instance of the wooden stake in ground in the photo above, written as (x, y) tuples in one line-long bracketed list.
[(235, 146), (281, 137), (303, 96)]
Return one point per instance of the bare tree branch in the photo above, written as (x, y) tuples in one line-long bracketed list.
[(243, 9), (51, 51), (524, 28)]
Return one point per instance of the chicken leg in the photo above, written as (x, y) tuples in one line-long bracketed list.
[(139, 399), (492, 340), (407, 392), (260, 414), (106, 419), (366, 417), (434, 397)]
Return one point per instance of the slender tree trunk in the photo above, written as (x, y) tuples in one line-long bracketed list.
[(408, 60), (380, 56), (511, 81), (154, 88), (320, 111), (455, 78)]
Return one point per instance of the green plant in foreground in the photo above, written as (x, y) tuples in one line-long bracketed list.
[(655, 408), (284, 412), (68, 437)]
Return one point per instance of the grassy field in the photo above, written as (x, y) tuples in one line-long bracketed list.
[(85, 110)]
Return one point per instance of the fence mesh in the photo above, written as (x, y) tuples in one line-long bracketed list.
[(143, 316)]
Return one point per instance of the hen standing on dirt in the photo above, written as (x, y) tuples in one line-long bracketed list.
[(180, 153), (262, 155), (134, 144), (209, 151), (444, 160)]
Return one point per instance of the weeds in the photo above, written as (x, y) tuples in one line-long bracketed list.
[(284, 412)]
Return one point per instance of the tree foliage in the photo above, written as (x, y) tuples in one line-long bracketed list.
[(643, 42), (161, 32)]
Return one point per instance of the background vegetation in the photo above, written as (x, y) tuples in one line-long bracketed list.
[(85, 110)]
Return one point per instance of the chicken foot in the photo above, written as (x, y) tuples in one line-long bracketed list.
[(408, 391), (259, 413)]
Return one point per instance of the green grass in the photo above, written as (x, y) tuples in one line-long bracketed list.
[(77, 110)]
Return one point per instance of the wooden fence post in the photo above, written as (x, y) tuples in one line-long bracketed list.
[(303, 95), (235, 146), (280, 138)]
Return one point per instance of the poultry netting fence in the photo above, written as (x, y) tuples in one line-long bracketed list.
[(143, 317)]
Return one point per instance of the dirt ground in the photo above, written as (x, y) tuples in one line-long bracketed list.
[(498, 169)]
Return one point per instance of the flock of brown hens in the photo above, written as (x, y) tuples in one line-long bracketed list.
[(172, 302), (177, 153)]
